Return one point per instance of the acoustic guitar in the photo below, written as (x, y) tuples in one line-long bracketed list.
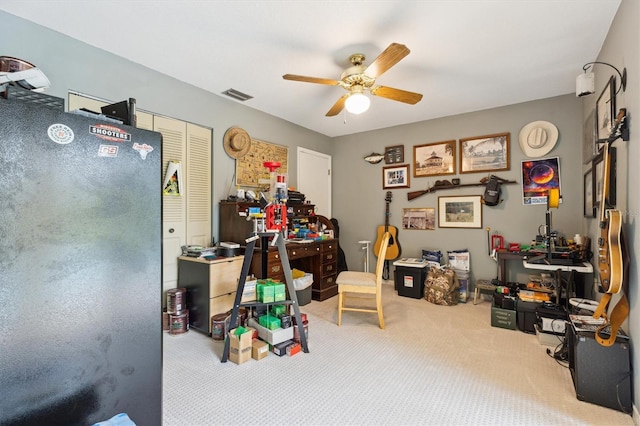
[(612, 259), (393, 250)]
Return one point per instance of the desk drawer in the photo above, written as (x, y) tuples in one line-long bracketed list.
[(302, 251), (325, 282), (329, 245), (329, 256), (224, 276), (327, 269), (220, 304)]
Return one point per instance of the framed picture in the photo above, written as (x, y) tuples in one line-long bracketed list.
[(488, 153), (460, 212), (538, 177), (419, 219), (434, 159), (598, 167), (589, 209), (395, 177), (394, 154), (606, 110), (589, 145)]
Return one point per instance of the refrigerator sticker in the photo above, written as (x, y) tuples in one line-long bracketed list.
[(110, 133), (60, 133), (108, 151), (143, 149), (173, 179)]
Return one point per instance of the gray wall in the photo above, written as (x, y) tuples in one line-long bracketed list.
[(360, 197), (73, 65), (622, 49)]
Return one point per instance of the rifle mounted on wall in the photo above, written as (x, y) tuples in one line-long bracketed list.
[(445, 184)]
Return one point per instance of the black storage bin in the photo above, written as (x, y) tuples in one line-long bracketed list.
[(409, 281), (526, 316)]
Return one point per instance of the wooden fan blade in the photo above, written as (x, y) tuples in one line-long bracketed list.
[(311, 79), (391, 56), (396, 94), (338, 106)]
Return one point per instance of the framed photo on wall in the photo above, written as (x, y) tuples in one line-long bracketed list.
[(589, 137), (588, 201), (419, 219), (434, 159), (460, 212), (606, 110), (394, 154), (488, 153), (395, 177)]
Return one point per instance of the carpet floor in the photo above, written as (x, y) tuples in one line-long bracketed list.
[(431, 365)]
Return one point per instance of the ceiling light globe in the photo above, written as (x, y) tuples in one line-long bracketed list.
[(357, 103)]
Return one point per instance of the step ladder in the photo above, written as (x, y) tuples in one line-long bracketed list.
[(278, 240)]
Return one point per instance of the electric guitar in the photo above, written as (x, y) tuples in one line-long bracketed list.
[(612, 257), (610, 265), (393, 250)]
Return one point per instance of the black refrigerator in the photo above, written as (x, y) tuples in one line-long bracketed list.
[(80, 269)]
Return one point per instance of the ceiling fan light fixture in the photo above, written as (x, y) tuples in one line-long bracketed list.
[(357, 103)]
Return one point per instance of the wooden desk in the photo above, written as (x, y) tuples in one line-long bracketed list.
[(318, 257), (503, 257)]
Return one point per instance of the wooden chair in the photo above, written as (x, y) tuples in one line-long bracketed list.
[(364, 283)]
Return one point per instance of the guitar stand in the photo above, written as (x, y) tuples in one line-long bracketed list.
[(385, 270)]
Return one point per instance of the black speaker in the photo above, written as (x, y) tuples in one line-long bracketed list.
[(601, 374)]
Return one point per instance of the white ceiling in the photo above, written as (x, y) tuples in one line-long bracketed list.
[(466, 55)]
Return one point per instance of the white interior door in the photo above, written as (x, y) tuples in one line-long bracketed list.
[(314, 179)]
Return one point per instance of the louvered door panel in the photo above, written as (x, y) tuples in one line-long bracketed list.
[(199, 189), (173, 207)]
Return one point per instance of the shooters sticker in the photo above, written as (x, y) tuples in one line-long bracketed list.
[(108, 151), (143, 149), (60, 133), (110, 133)]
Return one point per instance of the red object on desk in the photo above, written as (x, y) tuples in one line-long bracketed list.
[(514, 246), (497, 242)]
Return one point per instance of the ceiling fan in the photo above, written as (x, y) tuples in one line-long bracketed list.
[(358, 78)]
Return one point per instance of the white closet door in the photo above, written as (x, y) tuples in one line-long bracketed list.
[(199, 188), (144, 120), (173, 207), (77, 102)]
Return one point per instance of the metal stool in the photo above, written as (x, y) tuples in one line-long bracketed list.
[(483, 285)]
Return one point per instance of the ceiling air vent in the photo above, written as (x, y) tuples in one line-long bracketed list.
[(233, 93)]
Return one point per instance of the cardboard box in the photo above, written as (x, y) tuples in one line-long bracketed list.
[(503, 318), (259, 349), (272, 337), (249, 292), (293, 349), (240, 346), (265, 292), (269, 321), (281, 348)]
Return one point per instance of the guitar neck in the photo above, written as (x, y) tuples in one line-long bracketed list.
[(605, 185), (386, 218)]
